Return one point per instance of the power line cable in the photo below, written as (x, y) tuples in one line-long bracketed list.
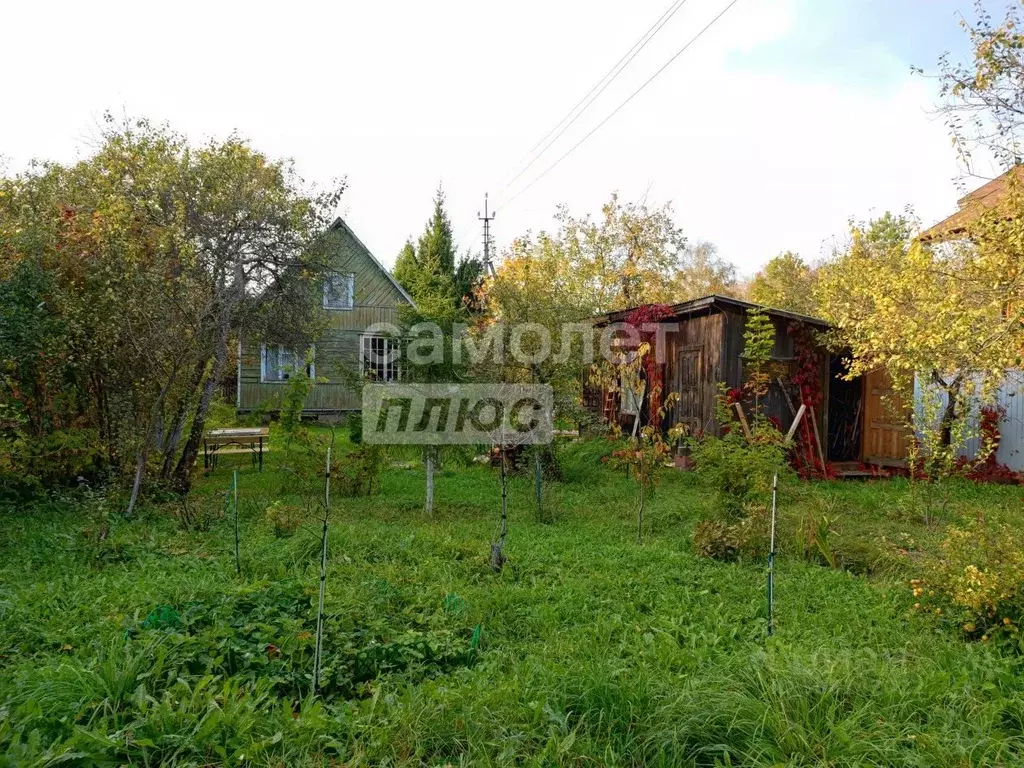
[(633, 95), (461, 239), (594, 93)]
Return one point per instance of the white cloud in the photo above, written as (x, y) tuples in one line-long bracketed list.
[(400, 96)]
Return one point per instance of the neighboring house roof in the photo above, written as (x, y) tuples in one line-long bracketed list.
[(714, 300), (339, 223), (971, 206)]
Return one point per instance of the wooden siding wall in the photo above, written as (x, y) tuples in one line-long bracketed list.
[(784, 352), (337, 349), (703, 334), (707, 349)]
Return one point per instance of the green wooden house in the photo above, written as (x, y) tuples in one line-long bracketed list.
[(358, 294)]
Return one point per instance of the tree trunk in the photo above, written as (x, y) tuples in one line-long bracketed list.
[(140, 467), (949, 415), (170, 448), (430, 480), (155, 423), (182, 480), (952, 390)]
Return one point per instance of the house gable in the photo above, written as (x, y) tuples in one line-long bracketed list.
[(377, 298), (375, 285)]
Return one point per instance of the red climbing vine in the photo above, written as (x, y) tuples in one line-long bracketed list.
[(807, 379), (989, 470), (642, 319)]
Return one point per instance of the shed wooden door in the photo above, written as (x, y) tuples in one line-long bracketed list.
[(885, 421), (689, 385)]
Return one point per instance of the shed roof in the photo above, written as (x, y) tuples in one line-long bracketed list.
[(714, 300)]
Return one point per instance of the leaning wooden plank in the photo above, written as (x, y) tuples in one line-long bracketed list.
[(743, 419), (785, 394), (796, 422), (817, 439)]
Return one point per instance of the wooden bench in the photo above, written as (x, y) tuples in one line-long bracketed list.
[(218, 442)]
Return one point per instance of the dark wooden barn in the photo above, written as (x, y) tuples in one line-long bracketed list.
[(706, 349)]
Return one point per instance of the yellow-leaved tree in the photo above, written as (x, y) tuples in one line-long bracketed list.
[(946, 314)]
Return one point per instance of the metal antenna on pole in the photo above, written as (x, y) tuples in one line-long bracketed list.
[(487, 219)]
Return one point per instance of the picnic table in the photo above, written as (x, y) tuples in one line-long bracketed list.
[(249, 440)]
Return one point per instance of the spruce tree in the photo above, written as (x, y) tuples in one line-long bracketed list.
[(406, 266), (436, 245), (428, 270)]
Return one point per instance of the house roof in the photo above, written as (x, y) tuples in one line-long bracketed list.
[(339, 223), (721, 302), (972, 205)]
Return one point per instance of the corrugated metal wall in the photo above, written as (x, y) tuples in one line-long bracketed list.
[(1011, 442)]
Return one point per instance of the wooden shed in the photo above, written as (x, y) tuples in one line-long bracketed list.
[(705, 349)]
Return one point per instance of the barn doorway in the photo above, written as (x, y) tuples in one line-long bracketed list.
[(886, 418), (688, 383), (845, 411)]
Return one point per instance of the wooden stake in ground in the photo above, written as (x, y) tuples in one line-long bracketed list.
[(498, 549), (538, 471), (319, 650), (430, 480), (238, 555), (640, 509)]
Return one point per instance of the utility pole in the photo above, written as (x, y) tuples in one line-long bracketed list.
[(487, 219)]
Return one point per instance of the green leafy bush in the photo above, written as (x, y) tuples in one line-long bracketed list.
[(285, 519), (359, 472), (198, 513), (354, 422), (55, 458), (815, 539), (738, 470), (748, 537), (978, 579)]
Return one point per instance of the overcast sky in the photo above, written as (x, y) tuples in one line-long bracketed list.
[(785, 120)]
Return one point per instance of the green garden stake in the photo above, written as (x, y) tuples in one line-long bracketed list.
[(771, 558), (238, 555), (538, 483)]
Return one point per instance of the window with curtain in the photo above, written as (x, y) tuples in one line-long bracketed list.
[(340, 290), (279, 364)]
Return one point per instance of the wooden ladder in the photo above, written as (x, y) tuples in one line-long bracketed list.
[(608, 409)]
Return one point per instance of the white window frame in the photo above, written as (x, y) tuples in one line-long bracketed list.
[(350, 279), (395, 364), (295, 355)]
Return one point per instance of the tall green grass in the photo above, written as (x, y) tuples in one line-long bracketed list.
[(146, 648)]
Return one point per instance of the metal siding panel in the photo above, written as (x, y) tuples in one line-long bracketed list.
[(1011, 429)]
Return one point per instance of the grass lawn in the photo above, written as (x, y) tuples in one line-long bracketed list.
[(147, 648)]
